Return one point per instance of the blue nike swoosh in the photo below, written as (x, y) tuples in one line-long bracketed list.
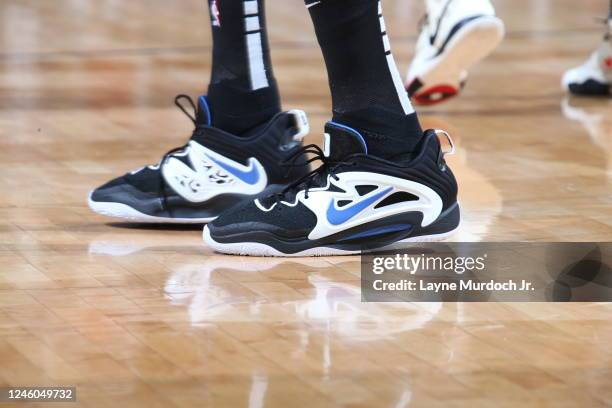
[(250, 177), (340, 216)]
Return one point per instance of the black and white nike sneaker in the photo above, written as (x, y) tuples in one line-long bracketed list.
[(354, 202), (214, 171)]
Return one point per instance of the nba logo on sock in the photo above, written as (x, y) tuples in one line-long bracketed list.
[(214, 13)]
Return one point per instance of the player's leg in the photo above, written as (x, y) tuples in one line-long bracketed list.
[(455, 35), (240, 136), (594, 77), (366, 87), (242, 92), (382, 180)]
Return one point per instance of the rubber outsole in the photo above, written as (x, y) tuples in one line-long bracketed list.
[(590, 87), (125, 212), (434, 95), (259, 249), (469, 45)]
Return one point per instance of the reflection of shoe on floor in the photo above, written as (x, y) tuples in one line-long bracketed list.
[(596, 117), (118, 244), (455, 36), (325, 303), (594, 77), (114, 248), (212, 172), (202, 287)]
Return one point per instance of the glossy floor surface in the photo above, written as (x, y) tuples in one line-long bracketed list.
[(149, 317)]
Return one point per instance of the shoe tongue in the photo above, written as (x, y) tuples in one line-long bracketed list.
[(342, 141), (203, 116)]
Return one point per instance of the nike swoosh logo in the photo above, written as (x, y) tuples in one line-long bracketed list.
[(432, 38), (340, 216), (250, 176)]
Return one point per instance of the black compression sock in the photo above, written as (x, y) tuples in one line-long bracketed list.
[(242, 92), (367, 90)]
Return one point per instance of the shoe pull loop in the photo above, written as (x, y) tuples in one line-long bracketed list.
[(301, 124), (443, 153), (177, 102)]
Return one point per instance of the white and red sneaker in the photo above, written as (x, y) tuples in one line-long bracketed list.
[(455, 35)]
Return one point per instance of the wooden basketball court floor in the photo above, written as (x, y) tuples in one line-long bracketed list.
[(149, 317)]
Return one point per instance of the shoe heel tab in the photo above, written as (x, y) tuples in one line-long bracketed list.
[(442, 133), (300, 123), (433, 144)]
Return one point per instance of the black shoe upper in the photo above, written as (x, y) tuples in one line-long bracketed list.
[(347, 153), (271, 144)]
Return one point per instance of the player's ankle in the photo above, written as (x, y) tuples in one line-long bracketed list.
[(237, 111), (387, 134)]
